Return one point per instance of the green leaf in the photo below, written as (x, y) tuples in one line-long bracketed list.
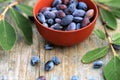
[(95, 54), (26, 9), (23, 24), (102, 1), (100, 34), (7, 35), (116, 12), (109, 18), (112, 69), (113, 3), (4, 0), (116, 39)]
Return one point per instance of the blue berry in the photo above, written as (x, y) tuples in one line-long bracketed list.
[(45, 24), (75, 78), (97, 64), (73, 1), (67, 20), (82, 5), (67, 11), (45, 9), (49, 14), (61, 7), (56, 26), (58, 20), (85, 22), (41, 18), (17, 8), (41, 78), (54, 8), (60, 14), (72, 7), (35, 60), (49, 66), (91, 78), (78, 13), (90, 13), (48, 47), (4, 77), (77, 19), (116, 47), (56, 60), (78, 26), (50, 21), (71, 26), (56, 2)]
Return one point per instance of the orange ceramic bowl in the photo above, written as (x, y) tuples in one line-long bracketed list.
[(64, 38)]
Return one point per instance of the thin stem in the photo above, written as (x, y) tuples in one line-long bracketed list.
[(103, 6), (107, 35), (2, 16)]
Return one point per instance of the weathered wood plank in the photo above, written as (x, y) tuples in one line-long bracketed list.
[(15, 64)]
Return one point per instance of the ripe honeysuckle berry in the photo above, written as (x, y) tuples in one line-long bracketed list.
[(35, 60), (56, 60), (97, 64), (49, 65)]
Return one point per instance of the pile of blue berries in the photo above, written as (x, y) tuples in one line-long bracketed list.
[(69, 16), (50, 64)]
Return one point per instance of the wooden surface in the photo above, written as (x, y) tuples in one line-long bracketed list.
[(15, 64)]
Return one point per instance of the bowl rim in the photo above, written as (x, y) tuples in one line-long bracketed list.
[(60, 31)]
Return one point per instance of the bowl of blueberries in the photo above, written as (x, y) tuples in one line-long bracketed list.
[(65, 22)]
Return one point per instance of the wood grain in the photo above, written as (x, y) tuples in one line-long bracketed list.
[(15, 64)]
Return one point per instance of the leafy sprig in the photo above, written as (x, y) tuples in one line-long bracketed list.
[(108, 10), (8, 32)]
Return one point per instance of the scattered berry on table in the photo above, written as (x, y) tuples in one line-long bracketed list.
[(91, 78), (4, 77), (35, 60), (48, 47), (82, 5), (49, 66), (97, 64), (67, 20), (56, 60), (75, 78), (41, 78), (41, 18), (116, 47)]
